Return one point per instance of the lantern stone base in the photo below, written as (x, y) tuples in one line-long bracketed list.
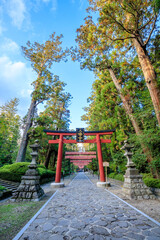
[(57, 185), (101, 184), (29, 188), (134, 187)]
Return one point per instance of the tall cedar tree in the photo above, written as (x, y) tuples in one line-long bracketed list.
[(56, 116), (133, 23), (41, 56)]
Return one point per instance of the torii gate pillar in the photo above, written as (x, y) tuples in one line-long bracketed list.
[(59, 160), (100, 160), (58, 182)]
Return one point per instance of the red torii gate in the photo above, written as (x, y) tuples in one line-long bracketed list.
[(61, 140)]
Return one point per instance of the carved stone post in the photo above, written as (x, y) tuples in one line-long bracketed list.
[(29, 188), (134, 187)]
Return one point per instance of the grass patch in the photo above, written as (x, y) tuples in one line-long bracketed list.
[(15, 215)]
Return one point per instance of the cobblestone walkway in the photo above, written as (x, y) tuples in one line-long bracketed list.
[(83, 211)]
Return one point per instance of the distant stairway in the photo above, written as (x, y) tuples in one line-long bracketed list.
[(9, 185)]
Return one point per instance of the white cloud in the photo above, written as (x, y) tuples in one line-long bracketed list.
[(17, 11), (9, 46), (2, 29), (10, 71), (45, 1), (15, 76), (25, 92), (15, 79), (81, 4), (54, 5)]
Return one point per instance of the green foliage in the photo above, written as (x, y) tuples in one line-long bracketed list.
[(46, 87), (93, 166), (15, 171), (42, 57), (2, 188), (120, 98), (118, 177), (44, 173), (151, 182), (9, 131)]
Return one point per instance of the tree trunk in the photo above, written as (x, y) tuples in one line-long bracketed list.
[(150, 76), (129, 111), (24, 140), (126, 104), (48, 156), (55, 158)]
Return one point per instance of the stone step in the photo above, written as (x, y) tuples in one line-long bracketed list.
[(9, 185)]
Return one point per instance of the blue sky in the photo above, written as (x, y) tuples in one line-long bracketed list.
[(35, 20)]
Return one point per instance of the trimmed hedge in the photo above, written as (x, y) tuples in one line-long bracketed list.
[(119, 176), (15, 171), (152, 182), (2, 188), (147, 179)]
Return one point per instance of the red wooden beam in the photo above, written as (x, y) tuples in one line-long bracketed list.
[(85, 141), (80, 153), (78, 164), (58, 133), (105, 140), (54, 141), (81, 161), (80, 157), (88, 133)]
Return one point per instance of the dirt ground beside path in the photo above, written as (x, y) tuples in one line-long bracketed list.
[(149, 207)]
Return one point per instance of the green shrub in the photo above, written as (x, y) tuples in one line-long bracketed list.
[(152, 182), (20, 167), (116, 176), (146, 175), (41, 166), (7, 175), (112, 175), (2, 188), (15, 171), (119, 177)]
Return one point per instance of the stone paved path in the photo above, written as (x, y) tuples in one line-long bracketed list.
[(83, 211)]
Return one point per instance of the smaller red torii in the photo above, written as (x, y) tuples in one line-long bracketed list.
[(80, 159)]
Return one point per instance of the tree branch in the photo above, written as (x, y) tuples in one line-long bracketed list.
[(146, 42), (146, 24), (119, 39)]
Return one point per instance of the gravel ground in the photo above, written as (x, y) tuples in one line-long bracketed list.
[(149, 207)]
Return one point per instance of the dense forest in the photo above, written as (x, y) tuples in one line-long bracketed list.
[(121, 46), (120, 42)]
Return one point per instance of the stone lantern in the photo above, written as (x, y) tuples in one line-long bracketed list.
[(29, 188), (134, 187)]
